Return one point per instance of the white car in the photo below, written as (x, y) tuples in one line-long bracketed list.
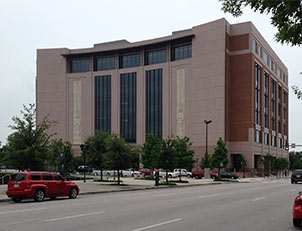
[(183, 172), (162, 173), (108, 173), (128, 172)]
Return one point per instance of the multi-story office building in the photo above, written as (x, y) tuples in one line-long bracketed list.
[(216, 71)]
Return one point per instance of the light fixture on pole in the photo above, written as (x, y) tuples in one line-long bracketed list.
[(207, 170)]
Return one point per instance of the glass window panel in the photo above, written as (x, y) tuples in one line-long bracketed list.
[(79, 65)]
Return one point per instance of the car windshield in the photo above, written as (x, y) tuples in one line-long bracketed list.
[(298, 172), (18, 177)]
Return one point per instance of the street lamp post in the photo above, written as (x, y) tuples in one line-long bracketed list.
[(207, 170), (84, 148)]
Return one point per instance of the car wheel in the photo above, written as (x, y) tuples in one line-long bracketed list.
[(188, 175), (73, 193), (196, 177), (170, 176), (39, 195), (297, 222), (16, 200)]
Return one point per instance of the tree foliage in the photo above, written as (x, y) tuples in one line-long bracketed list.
[(220, 158), (167, 157), (184, 153), (151, 152), (295, 159), (58, 147), (118, 155), (27, 146), (286, 16)]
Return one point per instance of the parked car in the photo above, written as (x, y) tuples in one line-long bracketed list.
[(162, 173), (297, 210), (38, 185), (183, 172), (84, 168), (200, 174), (106, 173), (128, 172), (227, 175), (296, 176), (145, 171)]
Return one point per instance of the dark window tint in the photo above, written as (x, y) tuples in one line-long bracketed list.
[(181, 52), (129, 60), (18, 177), (154, 102), (79, 65), (35, 176), (128, 107), (47, 176), (154, 57), (257, 94), (106, 63), (103, 103), (58, 177)]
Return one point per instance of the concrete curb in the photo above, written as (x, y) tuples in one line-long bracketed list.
[(136, 189)]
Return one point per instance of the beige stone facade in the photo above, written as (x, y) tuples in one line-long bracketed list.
[(216, 83)]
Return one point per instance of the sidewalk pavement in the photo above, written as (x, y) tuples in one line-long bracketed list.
[(129, 184)]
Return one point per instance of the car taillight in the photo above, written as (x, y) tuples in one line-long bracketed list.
[(298, 202)]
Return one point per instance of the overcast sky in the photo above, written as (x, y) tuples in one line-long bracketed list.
[(28, 25)]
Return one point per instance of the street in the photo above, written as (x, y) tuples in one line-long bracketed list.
[(264, 205)]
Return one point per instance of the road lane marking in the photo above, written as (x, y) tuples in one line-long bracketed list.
[(257, 199), (159, 224), (75, 216), (206, 196), (21, 211)]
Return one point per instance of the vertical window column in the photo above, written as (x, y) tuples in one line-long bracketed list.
[(257, 93), (273, 117), (103, 103), (266, 99), (128, 107), (154, 102)]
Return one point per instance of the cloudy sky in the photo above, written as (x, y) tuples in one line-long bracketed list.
[(27, 25)]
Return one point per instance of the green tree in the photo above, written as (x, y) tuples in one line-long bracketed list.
[(295, 159), (151, 152), (184, 153), (58, 147), (268, 163), (167, 157), (220, 156), (27, 147), (96, 150), (286, 16), (118, 155), (280, 164)]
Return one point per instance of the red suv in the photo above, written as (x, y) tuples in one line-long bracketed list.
[(38, 185)]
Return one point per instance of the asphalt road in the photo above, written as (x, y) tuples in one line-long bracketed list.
[(256, 206)]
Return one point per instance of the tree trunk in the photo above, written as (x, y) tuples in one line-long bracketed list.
[(118, 177)]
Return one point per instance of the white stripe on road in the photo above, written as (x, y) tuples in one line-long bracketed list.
[(159, 224), (80, 215), (206, 196), (257, 199), (21, 211)]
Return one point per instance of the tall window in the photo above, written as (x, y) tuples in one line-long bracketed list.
[(154, 102), (257, 136), (285, 113), (128, 107), (257, 93), (265, 57), (181, 52), (279, 108), (266, 99), (103, 103), (79, 65), (105, 63), (273, 112), (132, 60), (154, 57)]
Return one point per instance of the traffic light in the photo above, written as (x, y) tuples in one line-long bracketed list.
[(286, 148)]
